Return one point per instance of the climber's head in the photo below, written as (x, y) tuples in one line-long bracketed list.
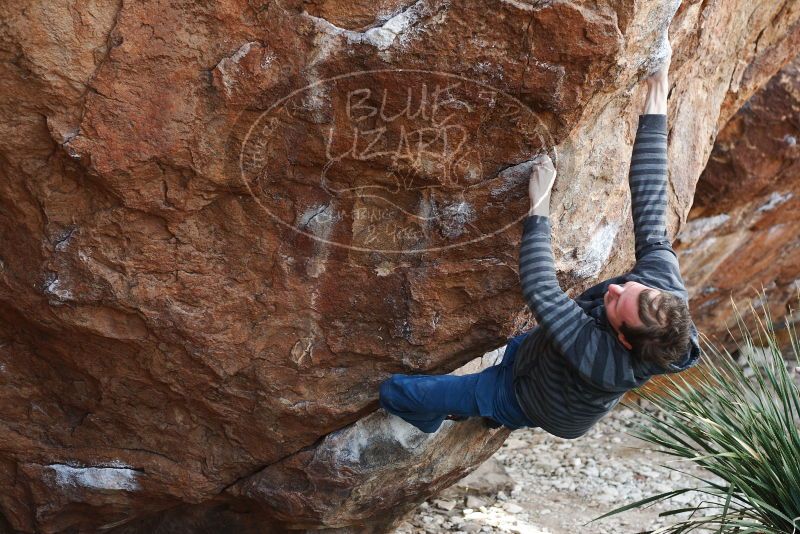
[(651, 323)]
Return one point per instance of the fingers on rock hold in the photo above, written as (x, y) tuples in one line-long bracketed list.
[(542, 160)]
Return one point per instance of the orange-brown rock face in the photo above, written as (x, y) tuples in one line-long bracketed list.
[(743, 233), (224, 224)]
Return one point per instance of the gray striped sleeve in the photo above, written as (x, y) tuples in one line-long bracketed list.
[(648, 183), (576, 335)]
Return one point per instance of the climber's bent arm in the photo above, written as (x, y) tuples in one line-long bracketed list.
[(588, 348)]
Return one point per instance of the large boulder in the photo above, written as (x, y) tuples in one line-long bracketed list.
[(741, 243), (224, 224)]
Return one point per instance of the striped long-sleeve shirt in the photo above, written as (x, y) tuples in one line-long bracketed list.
[(571, 369)]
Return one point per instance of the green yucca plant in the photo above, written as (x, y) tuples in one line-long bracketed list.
[(741, 429)]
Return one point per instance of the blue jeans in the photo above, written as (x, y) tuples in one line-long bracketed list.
[(426, 400)]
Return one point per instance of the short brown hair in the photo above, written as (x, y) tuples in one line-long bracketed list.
[(664, 336)]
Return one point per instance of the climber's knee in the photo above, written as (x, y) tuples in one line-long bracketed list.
[(405, 393), (388, 390), (383, 392)]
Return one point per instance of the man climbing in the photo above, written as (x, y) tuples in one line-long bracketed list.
[(584, 354)]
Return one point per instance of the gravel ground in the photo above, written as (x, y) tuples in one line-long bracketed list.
[(555, 485)]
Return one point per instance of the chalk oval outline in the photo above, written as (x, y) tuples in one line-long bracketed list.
[(283, 100)]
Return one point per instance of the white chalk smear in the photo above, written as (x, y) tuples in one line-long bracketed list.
[(598, 251), (381, 37), (775, 199), (698, 228), (55, 288), (116, 477)]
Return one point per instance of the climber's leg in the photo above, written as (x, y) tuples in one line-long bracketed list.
[(425, 400)]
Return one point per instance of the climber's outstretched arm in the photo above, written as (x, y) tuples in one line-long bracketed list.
[(589, 349), (648, 177), (656, 262)]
